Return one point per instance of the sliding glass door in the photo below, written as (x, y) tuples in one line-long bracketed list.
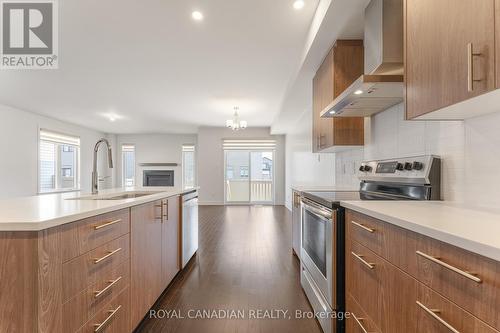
[(249, 177), (237, 177)]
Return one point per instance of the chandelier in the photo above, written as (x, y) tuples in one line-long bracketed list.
[(236, 124)]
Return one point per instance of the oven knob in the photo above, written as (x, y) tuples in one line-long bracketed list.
[(399, 166), (368, 168), (418, 166), (408, 166), (362, 168)]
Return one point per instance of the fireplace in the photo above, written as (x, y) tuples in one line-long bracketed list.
[(158, 178)]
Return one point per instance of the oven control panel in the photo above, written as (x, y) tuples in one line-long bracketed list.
[(416, 167)]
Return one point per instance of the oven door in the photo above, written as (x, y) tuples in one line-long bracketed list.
[(318, 248)]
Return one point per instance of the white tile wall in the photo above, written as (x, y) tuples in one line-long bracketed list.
[(482, 151), (388, 135)]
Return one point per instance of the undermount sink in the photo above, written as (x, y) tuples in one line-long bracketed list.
[(121, 196), (125, 196)]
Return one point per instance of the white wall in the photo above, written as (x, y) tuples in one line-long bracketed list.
[(211, 161), (19, 151), (302, 166), (154, 148)]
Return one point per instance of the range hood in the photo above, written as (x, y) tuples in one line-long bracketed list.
[(382, 85)]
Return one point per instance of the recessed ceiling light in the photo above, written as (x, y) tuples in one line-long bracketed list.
[(298, 4), (333, 112), (197, 16), (358, 92), (112, 116)]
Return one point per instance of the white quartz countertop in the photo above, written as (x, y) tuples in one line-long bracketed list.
[(474, 230), (46, 211)]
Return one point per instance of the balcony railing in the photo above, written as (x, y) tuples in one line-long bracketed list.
[(241, 190)]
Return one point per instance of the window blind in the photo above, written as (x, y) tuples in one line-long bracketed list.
[(50, 136), (248, 144), (128, 148), (187, 148)]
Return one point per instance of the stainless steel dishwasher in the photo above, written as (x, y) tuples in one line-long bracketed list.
[(189, 226)]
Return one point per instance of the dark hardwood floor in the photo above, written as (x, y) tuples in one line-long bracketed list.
[(244, 262)]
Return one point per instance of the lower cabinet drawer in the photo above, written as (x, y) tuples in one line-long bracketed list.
[(85, 235), (435, 314), (357, 320), (93, 266), (113, 318), (384, 292), (467, 279), (86, 304)]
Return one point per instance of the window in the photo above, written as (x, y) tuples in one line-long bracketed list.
[(59, 162), (188, 166), (229, 172), (128, 162), (244, 172)]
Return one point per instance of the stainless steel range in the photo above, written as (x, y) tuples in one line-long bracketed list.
[(323, 235)]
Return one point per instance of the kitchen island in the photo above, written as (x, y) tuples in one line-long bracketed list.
[(87, 263)]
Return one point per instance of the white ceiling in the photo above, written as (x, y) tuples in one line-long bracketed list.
[(150, 63)]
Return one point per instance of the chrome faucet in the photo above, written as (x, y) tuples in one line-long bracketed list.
[(95, 178)]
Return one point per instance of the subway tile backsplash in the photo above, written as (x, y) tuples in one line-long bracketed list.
[(469, 150)]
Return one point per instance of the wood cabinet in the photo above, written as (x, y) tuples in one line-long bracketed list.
[(386, 293), (296, 223), (170, 240), (340, 68), (449, 53), (146, 258), (155, 252), (401, 281), (107, 269)]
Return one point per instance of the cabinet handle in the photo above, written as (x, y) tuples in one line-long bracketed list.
[(165, 205), (436, 260), (98, 293), (366, 263), (359, 322), (370, 230), (96, 261), (433, 313), (97, 227), (470, 67), (159, 218), (100, 326)]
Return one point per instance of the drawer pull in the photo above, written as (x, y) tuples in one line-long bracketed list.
[(97, 227), (433, 313), (451, 268), (370, 230), (111, 284), (100, 326), (366, 263), (96, 261), (359, 322)]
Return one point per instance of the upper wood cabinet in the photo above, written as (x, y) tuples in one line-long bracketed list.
[(341, 67), (450, 54)]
